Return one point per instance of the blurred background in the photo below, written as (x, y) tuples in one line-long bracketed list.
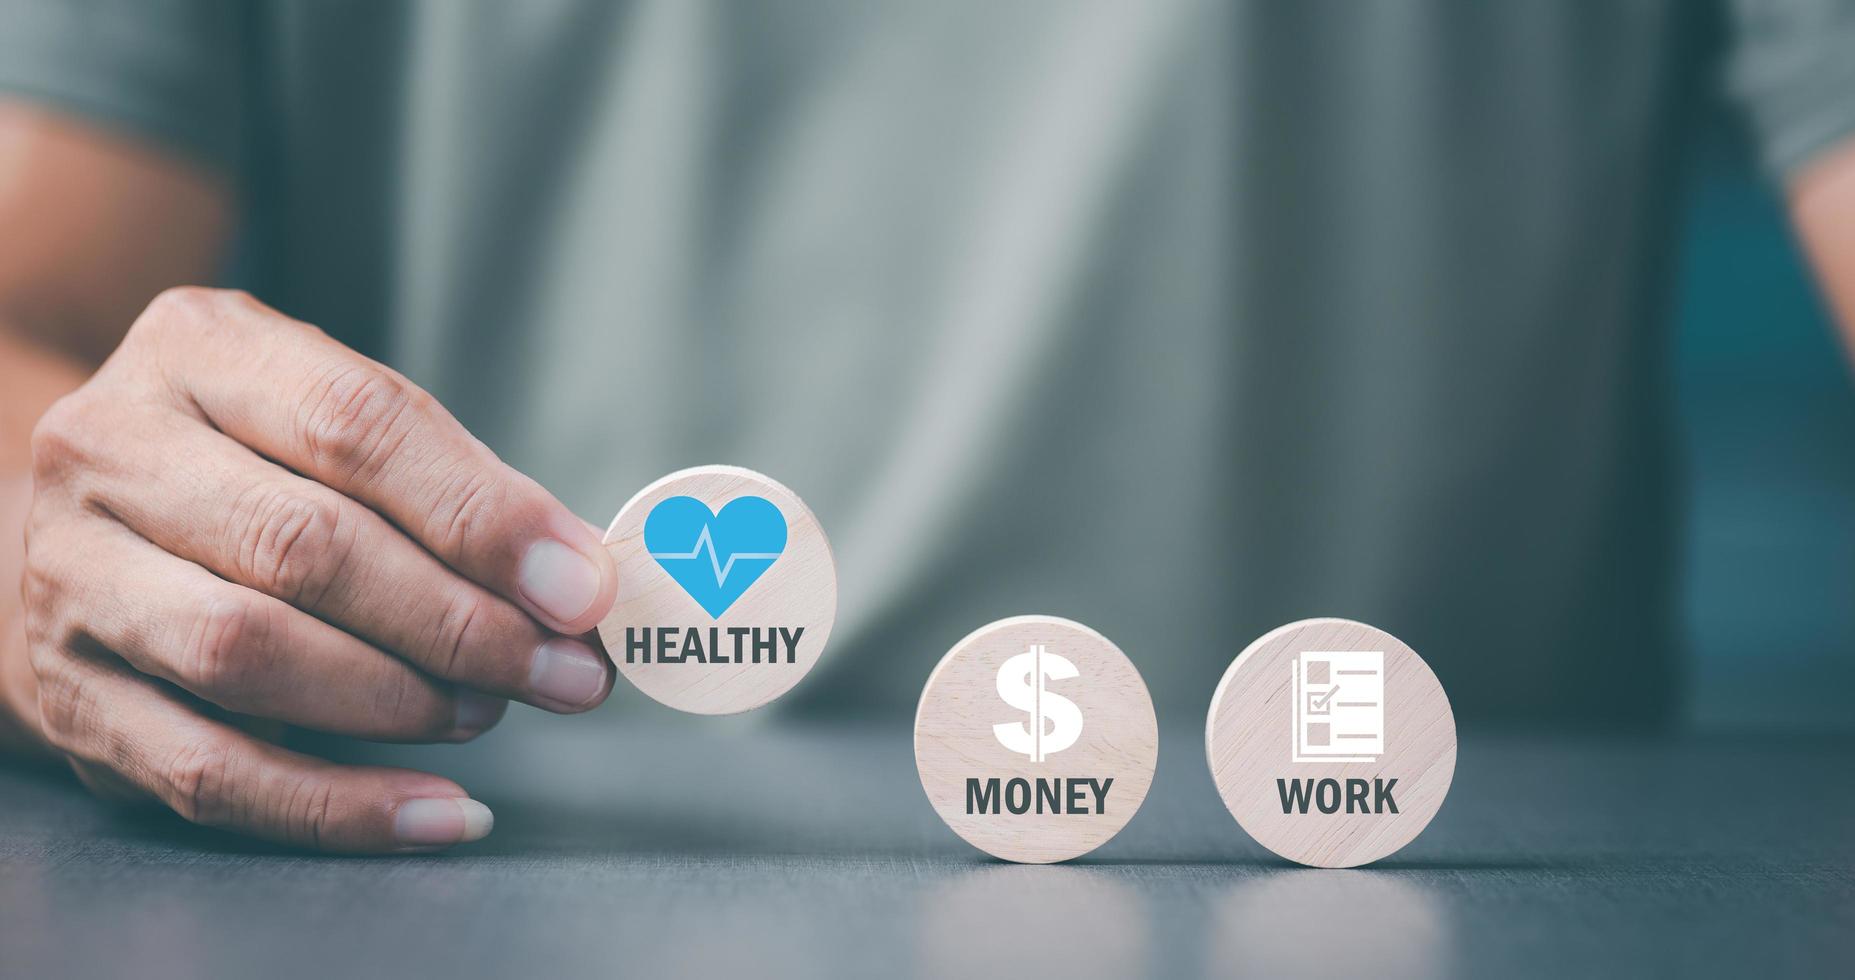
[(1480, 322), (1183, 319), (1768, 424)]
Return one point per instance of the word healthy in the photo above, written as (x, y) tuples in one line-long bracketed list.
[(743, 644)]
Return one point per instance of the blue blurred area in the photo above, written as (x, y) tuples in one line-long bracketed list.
[(1768, 412)]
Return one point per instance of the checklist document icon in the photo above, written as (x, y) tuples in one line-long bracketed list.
[(1339, 706)]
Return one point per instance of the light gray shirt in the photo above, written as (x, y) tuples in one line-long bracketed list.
[(1184, 319)]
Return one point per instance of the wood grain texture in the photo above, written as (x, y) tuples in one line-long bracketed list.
[(1250, 745), (798, 590), (955, 740)]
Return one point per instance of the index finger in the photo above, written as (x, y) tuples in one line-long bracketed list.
[(361, 428)]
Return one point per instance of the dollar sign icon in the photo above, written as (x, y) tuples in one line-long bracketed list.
[(1021, 682)]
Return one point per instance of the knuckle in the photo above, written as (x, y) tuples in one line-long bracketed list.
[(306, 811), (404, 707), (41, 590), (194, 782), (294, 546), (187, 315), (456, 634), (223, 650), (61, 438), (56, 680), (351, 420), (192, 304), (176, 308), (233, 298), (472, 505), (67, 706), (183, 302)]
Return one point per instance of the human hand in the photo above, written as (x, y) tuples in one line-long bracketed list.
[(238, 514)]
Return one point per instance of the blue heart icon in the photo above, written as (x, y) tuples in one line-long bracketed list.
[(715, 556)]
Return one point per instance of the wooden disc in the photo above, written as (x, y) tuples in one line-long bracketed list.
[(1035, 739), (726, 590), (1331, 742)]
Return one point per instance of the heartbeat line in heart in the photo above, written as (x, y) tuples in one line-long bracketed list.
[(705, 543)]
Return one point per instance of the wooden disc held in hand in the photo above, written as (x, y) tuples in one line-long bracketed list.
[(727, 590)]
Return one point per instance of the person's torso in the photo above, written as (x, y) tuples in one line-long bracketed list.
[(1182, 319)]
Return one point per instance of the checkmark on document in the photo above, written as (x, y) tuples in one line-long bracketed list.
[(1345, 690)]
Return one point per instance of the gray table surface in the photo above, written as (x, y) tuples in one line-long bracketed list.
[(691, 848)]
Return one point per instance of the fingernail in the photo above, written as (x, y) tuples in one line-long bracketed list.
[(560, 580), (477, 713), (439, 822), (567, 672)]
